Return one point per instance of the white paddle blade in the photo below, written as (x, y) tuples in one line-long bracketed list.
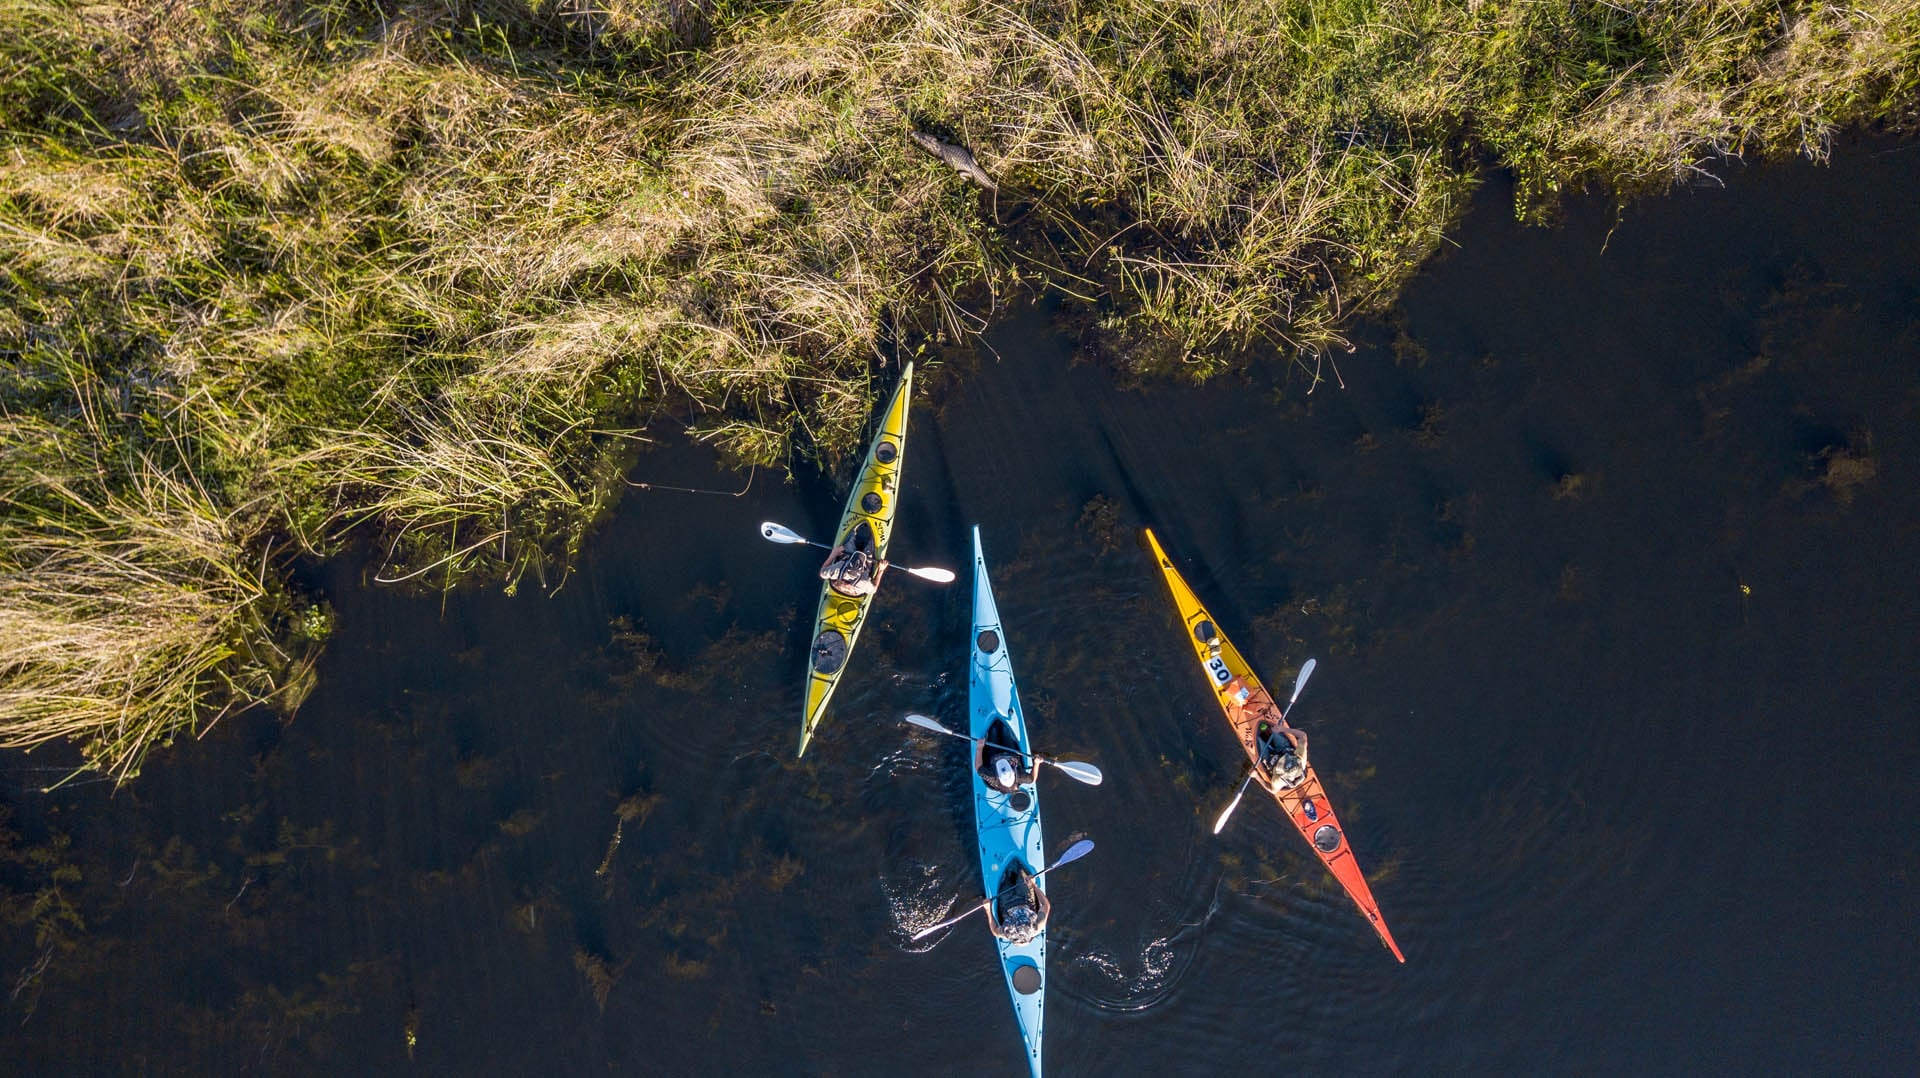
[(778, 533), (938, 576), (926, 723), (1221, 823), (1306, 671), (1086, 773)]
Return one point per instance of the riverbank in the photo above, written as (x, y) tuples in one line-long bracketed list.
[(425, 849), (285, 274)]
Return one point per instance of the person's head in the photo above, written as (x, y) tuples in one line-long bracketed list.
[(1004, 774)]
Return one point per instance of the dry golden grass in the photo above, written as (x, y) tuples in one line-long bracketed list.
[(364, 267), (121, 611)]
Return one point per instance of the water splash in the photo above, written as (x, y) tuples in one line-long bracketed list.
[(1140, 981), (917, 898)]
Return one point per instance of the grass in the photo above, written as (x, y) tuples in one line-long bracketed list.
[(129, 598), (280, 272)]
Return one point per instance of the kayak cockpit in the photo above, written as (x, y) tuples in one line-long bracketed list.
[(1000, 759), (1019, 906)]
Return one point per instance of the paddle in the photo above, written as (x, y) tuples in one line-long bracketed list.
[(1082, 772), (1074, 853), (1306, 671), (1233, 804), (780, 533)]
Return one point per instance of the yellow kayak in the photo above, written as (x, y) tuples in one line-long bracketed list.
[(870, 505), (1246, 703)]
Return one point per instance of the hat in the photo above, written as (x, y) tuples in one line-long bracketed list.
[(1003, 771)]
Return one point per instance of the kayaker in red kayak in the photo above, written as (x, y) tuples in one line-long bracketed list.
[(1025, 904), (851, 568), (1283, 754)]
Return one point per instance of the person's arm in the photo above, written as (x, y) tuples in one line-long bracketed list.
[(1046, 904), (993, 921), (826, 567)]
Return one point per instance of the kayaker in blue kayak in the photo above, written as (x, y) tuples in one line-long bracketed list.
[(852, 568), (1021, 912), (1002, 767), (1283, 754)]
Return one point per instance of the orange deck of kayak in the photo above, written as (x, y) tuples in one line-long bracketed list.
[(1229, 675)]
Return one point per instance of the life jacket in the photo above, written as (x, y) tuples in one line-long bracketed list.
[(855, 559), (1020, 920), (1281, 758), (1021, 924), (853, 567)]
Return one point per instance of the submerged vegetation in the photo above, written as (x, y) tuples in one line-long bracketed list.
[(278, 271)]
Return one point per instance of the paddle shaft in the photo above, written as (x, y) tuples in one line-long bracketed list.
[(995, 897), (1034, 756), (993, 744), (780, 533), (1077, 770), (823, 546), (938, 729)]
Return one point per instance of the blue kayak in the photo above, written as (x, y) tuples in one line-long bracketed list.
[(1008, 821)]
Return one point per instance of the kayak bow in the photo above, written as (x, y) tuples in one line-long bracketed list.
[(836, 625), (1008, 823), (1245, 702)]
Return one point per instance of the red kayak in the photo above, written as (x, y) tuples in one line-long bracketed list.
[(1247, 705)]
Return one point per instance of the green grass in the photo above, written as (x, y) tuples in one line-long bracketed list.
[(277, 273)]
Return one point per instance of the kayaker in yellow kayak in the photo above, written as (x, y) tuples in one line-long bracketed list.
[(1025, 907), (1002, 767), (852, 569), (1283, 754)]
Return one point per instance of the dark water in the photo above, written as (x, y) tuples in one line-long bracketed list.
[(1622, 816)]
